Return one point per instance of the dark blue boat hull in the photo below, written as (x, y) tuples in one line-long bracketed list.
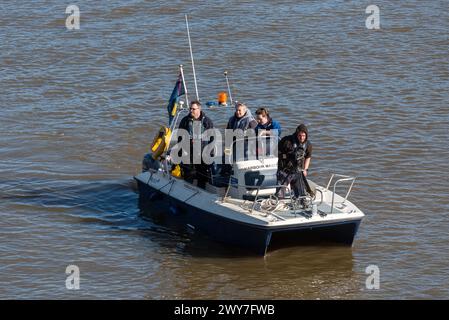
[(257, 239)]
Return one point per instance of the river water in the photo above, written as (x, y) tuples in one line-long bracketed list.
[(79, 108)]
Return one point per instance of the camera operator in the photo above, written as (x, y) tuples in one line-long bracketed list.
[(294, 155)]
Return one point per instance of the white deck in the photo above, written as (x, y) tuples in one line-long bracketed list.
[(213, 202)]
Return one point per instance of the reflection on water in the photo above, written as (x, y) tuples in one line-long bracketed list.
[(79, 109), (296, 273), (299, 273)]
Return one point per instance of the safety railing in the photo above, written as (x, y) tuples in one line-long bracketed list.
[(342, 179)]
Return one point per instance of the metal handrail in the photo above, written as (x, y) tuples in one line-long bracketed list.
[(322, 196), (343, 178)]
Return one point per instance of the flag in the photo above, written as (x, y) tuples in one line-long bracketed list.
[(172, 107)]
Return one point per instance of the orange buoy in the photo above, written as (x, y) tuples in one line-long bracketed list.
[(222, 98)]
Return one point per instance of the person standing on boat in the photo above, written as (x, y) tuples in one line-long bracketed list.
[(268, 132), (294, 155), (196, 121), (265, 123), (242, 118), (242, 121)]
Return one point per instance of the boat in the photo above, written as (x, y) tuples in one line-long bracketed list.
[(242, 209), (250, 216)]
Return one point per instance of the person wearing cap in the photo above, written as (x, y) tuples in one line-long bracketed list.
[(294, 156)]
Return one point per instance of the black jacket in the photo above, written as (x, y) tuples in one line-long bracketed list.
[(187, 123), (291, 153)]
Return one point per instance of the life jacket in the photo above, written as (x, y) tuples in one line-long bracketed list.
[(161, 142)]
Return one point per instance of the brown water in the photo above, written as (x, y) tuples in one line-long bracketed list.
[(79, 108)]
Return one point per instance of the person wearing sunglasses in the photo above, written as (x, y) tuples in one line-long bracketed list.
[(196, 119)]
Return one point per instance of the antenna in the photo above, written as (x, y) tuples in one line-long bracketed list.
[(229, 88), (191, 56)]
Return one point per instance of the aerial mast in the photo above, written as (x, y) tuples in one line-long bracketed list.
[(191, 56)]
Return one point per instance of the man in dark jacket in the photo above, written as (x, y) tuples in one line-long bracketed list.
[(198, 120), (294, 155)]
